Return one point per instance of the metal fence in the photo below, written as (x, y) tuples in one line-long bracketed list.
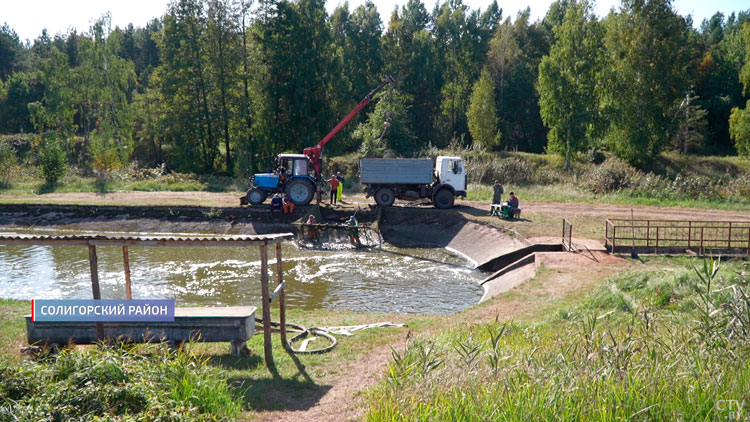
[(677, 237)]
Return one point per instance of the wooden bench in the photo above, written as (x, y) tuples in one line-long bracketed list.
[(209, 324)]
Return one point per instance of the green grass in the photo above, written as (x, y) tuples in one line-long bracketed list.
[(150, 382), (124, 182), (647, 345)]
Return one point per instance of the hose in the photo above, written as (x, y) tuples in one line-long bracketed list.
[(303, 332)]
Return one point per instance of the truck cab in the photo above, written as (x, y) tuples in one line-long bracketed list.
[(450, 171)]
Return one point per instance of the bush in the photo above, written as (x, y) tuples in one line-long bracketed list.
[(613, 175), (8, 164), (52, 158), (508, 171)]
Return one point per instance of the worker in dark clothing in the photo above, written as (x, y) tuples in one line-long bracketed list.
[(513, 204), (276, 203), (497, 195)]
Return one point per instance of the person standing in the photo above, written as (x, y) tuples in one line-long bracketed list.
[(334, 182), (340, 189), (497, 193)]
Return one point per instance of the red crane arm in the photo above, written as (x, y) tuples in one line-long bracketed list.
[(316, 152)]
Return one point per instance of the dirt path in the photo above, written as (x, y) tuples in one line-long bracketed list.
[(231, 199)]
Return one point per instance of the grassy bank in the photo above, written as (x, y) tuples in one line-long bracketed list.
[(661, 343), (152, 382), (672, 180)]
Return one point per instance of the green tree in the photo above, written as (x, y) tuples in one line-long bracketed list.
[(691, 132), (739, 120), (456, 31), (567, 81), (408, 46), (387, 126), (648, 55), (482, 114)]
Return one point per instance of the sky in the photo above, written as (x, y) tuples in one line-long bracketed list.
[(28, 17)]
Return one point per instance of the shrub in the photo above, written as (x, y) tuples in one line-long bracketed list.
[(509, 171), (52, 158), (614, 174), (8, 164)]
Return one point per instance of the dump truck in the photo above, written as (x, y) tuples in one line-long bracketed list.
[(410, 179)]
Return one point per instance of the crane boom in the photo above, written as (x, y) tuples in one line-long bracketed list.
[(315, 153)]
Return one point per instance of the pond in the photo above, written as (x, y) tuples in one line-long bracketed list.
[(387, 279)]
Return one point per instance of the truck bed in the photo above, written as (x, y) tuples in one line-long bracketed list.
[(395, 170)]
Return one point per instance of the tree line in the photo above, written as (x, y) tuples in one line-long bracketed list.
[(217, 86)]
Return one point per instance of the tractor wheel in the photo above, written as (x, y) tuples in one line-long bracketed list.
[(300, 191), (256, 196), (385, 197), (443, 199)]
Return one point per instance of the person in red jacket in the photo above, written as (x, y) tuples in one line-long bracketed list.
[(334, 182)]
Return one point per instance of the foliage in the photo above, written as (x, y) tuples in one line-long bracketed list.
[(111, 383), (52, 157), (620, 354), (510, 170), (647, 63), (387, 126), (739, 121), (482, 114), (613, 175), (567, 78)]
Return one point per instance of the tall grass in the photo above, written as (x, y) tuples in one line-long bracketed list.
[(644, 346), (115, 383)]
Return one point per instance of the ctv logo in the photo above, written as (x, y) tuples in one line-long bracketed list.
[(732, 409)]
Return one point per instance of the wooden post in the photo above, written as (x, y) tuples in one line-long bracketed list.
[(267, 346), (126, 261), (748, 241), (282, 298), (94, 267), (648, 233), (690, 231), (656, 249), (702, 241), (614, 237), (570, 236)]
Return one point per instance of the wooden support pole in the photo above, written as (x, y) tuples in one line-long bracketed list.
[(94, 268), (267, 346), (282, 298), (126, 261)]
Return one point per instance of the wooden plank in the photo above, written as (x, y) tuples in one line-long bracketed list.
[(126, 262), (267, 346)]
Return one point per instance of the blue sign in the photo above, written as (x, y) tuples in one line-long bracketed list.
[(103, 310)]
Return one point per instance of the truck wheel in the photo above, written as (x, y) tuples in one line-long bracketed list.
[(256, 196), (385, 197), (443, 199), (300, 191)]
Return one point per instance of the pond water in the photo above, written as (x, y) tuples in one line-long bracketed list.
[(390, 279)]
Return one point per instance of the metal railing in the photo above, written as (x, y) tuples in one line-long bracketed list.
[(678, 236), (567, 235)]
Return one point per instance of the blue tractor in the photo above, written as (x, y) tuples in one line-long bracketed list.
[(294, 175)]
